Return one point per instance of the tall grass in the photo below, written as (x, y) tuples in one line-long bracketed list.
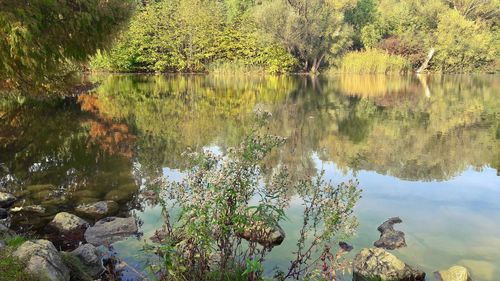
[(373, 61)]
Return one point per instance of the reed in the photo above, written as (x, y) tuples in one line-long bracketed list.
[(373, 61)]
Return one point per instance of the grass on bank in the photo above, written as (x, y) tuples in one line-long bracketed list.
[(11, 269), (372, 61)]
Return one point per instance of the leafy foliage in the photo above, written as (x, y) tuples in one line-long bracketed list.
[(39, 38), (188, 36), (223, 196), (464, 45)]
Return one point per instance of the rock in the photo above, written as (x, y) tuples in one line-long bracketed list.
[(454, 273), (6, 200), (263, 234), (345, 246), (3, 214), (40, 187), (373, 263), (68, 223), (390, 238), (109, 230), (2, 245), (5, 231), (119, 195), (91, 258), (43, 195), (42, 259), (39, 209), (98, 210), (87, 200)]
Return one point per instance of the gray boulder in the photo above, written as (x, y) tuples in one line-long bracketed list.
[(110, 230), (373, 263), (454, 273), (91, 258), (98, 210), (264, 234), (390, 238), (42, 259), (2, 245), (5, 231), (68, 223), (6, 200), (3, 214)]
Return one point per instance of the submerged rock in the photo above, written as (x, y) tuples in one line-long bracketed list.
[(6, 199), (454, 273), (68, 223), (264, 234), (110, 230), (40, 187), (98, 210), (3, 214), (38, 209), (390, 238), (372, 263), (91, 258), (42, 259)]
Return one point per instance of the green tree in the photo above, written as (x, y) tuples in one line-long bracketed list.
[(189, 36), (463, 45), (38, 38), (309, 29)]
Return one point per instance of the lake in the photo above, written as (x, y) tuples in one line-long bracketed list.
[(424, 148)]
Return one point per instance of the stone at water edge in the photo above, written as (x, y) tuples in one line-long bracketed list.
[(5, 231), (390, 238), (3, 214), (263, 234), (91, 258), (454, 273), (65, 223), (42, 259), (98, 210), (110, 230), (372, 263), (6, 199)]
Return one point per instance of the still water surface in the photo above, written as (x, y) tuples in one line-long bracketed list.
[(424, 148)]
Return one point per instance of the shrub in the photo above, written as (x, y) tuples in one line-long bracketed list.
[(410, 49), (373, 61), (463, 45), (224, 196)]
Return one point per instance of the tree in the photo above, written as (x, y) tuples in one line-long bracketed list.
[(463, 45), (38, 37), (308, 29)]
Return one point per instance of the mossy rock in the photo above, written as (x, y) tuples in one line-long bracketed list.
[(40, 187), (78, 271), (55, 201), (119, 195), (86, 200), (42, 195), (86, 193)]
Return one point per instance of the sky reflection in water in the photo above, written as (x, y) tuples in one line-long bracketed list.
[(426, 149)]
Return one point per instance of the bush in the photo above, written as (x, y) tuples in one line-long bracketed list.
[(373, 61), (189, 36), (463, 45), (410, 49)]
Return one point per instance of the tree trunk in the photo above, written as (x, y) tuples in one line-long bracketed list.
[(426, 62), (316, 64)]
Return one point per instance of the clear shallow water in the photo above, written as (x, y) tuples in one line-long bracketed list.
[(426, 149)]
